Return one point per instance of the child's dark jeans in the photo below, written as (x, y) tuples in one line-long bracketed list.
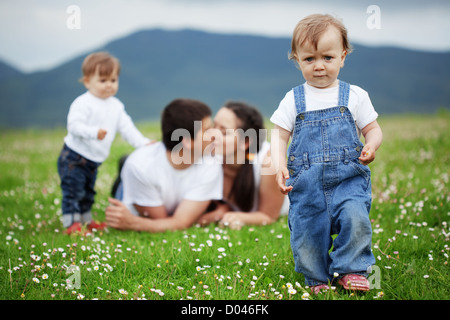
[(78, 176)]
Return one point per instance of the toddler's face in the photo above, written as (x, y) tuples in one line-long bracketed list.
[(102, 86), (320, 67)]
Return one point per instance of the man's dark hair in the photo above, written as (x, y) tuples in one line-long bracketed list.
[(181, 114)]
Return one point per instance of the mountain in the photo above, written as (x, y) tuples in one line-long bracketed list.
[(159, 66), (7, 72)]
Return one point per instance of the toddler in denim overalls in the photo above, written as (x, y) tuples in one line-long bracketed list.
[(325, 173)]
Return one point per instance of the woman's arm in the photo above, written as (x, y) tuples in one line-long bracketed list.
[(215, 215)]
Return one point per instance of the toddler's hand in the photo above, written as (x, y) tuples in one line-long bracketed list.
[(282, 176), (101, 134), (367, 155)]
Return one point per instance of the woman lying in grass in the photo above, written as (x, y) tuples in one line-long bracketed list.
[(250, 192)]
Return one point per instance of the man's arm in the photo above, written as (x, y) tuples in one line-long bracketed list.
[(187, 213), (151, 212), (214, 215)]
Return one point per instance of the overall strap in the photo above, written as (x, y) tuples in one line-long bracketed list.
[(299, 96), (344, 92)]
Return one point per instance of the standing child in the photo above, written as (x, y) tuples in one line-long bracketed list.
[(92, 123), (326, 173)]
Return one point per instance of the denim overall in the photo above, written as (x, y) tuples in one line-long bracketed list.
[(331, 193)]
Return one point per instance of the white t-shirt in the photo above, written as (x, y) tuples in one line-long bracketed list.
[(150, 181), (359, 105), (87, 115)]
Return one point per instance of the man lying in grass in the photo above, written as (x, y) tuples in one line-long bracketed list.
[(168, 185)]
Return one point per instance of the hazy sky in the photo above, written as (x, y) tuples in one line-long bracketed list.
[(36, 35)]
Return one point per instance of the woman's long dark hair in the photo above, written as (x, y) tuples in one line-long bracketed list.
[(243, 188)]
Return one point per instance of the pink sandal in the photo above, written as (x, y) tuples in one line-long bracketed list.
[(354, 282), (319, 288), (74, 228), (97, 226)]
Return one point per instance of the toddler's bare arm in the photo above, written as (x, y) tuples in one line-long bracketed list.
[(373, 137), (279, 141)]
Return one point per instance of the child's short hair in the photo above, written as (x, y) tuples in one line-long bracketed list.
[(181, 114), (310, 28), (105, 62)]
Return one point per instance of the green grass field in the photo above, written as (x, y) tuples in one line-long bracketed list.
[(410, 217)]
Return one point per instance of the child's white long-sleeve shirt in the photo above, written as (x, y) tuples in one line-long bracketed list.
[(87, 115)]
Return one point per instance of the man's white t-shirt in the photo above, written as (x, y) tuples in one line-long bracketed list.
[(149, 180), (359, 105)]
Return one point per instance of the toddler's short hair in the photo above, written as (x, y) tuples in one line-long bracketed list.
[(310, 28), (105, 62)]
